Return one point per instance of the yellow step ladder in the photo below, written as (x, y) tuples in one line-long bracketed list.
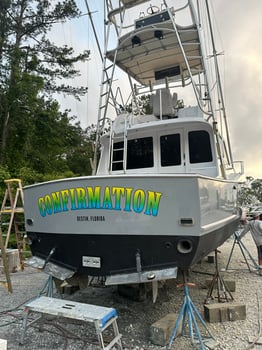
[(12, 215)]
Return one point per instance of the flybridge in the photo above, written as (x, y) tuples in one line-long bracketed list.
[(112, 198)]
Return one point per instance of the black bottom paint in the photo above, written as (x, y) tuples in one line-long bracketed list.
[(118, 252)]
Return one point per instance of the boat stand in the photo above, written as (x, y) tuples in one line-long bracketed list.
[(222, 288), (189, 314), (48, 288), (245, 252)]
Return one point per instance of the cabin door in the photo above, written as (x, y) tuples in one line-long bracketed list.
[(171, 151)]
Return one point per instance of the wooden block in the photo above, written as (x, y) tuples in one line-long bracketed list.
[(161, 330), (13, 260), (219, 312)]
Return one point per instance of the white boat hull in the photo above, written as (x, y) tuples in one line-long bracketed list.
[(106, 226)]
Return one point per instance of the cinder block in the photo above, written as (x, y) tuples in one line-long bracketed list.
[(224, 312), (257, 341), (230, 284), (3, 344), (161, 330)]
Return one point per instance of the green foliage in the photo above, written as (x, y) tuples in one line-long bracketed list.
[(142, 105), (256, 189), (145, 101), (4, 174), (251, 193), (29, 176), (38, 140)]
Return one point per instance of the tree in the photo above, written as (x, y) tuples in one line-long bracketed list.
[(142, 106), (251, 193), (256, 188), (32, 68)]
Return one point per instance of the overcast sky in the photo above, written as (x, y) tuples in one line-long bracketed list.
[(240, 31), (240, 25)]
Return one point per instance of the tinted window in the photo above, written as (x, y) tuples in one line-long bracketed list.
[(139, 154), (170, 150), (199, 147)]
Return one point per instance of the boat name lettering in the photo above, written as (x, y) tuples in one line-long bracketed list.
[(111, 198)]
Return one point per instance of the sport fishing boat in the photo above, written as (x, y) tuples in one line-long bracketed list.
[(164, 189)]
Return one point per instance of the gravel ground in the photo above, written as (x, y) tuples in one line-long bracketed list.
[(135, 318)]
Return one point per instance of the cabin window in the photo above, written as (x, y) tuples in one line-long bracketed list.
[(139, 154), (199, 147), (170, 150)]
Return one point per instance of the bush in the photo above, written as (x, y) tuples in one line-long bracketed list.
[(4, 175)]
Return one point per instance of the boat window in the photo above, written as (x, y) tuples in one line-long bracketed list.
[(170, 150), (199, 147), (139, 154)]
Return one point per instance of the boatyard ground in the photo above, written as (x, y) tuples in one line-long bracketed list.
[(136, 317)]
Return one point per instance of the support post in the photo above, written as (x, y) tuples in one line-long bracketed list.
[(48, 288), (221, 285)]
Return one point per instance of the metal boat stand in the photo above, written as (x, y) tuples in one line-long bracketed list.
[(222, 288), (245, 252), (189, 316), (48, 288)]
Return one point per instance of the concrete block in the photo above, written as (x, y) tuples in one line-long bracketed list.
[(161, 330), (257, 341), (230, 284), (211, 344), (224, 312), (3, 344)]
